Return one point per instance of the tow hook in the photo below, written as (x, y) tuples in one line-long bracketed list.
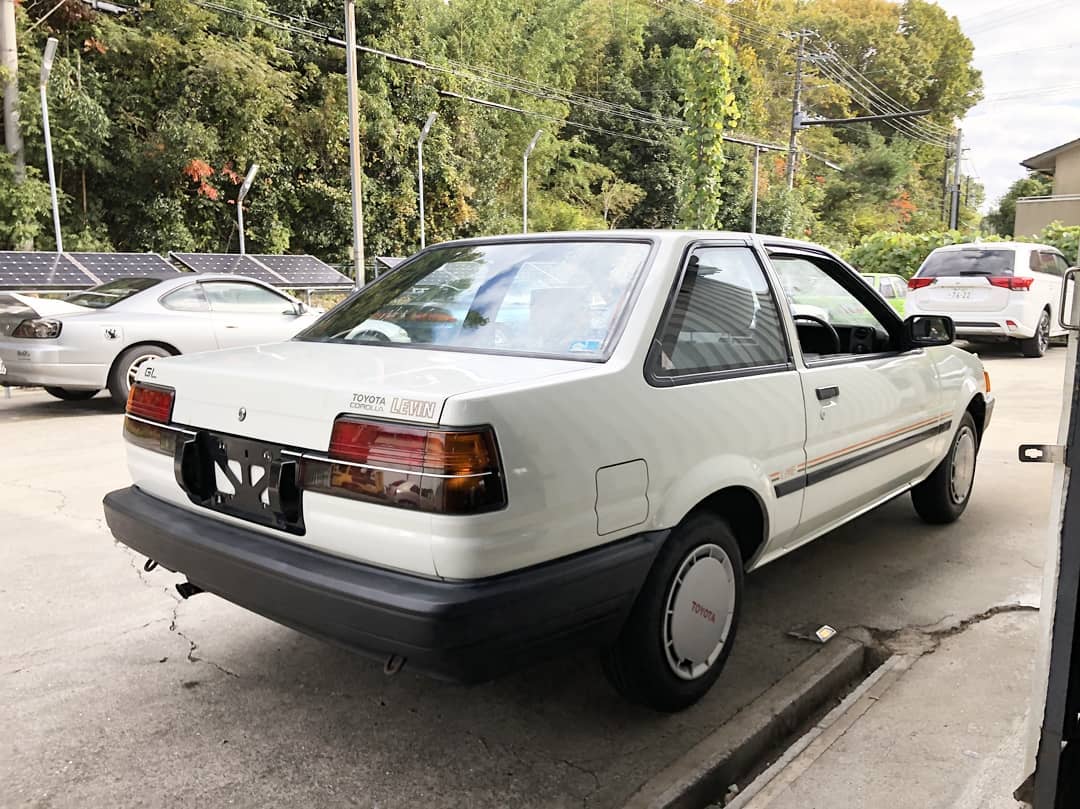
[(393, 664), (186, 589)]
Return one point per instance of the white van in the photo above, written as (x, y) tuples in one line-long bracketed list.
[(993, 291)]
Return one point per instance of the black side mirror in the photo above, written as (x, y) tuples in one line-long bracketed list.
[(921, 331)]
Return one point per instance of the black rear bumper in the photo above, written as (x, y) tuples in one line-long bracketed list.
[(465, 631)]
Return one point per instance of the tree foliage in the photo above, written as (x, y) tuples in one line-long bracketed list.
[(156, 116), (1002, 219)]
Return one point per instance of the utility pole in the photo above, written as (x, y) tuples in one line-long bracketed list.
[(754, 192), (796, 101), (9, 61), (954, 210), (354, 141), (244, 188)]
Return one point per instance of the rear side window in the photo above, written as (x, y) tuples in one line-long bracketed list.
[(187, 299), (1046, 262), (723, 318), (969, 261)]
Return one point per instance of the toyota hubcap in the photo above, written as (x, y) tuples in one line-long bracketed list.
[(963, 465), (699, 611)]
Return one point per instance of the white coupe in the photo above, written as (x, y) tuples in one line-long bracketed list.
[(583, 439)]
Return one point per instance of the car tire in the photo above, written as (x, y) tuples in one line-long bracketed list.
[(127, 365), (681, 628), (942, 497), (1036, 346), (69, 395)]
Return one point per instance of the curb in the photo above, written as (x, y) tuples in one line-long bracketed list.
[(703, 774)]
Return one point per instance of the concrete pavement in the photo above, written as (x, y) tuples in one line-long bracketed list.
[(116, 693)]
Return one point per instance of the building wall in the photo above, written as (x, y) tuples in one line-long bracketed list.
[(1067, 172), (1035, 213)]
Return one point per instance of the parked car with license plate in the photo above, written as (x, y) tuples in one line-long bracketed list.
[(994, 292), (101, 337), (598, 465)]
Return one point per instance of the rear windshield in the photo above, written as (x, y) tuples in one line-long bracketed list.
[(105, 295), (559, 298), (968, 262)]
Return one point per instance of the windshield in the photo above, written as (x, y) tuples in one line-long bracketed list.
[(105, 295), (559, 298), (968, 262)]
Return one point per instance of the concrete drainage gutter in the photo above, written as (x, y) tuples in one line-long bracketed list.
[(703, 775)]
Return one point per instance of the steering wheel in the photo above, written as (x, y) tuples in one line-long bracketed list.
[(825, 325)]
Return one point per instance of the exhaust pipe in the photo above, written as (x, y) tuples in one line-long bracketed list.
[(186, 589)]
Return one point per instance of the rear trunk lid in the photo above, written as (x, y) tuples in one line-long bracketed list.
[(960, 280), (290, 393)]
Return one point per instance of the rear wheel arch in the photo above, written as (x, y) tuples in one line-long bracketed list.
[(744, 512), (977, 408), (117, 386), (173, 350)]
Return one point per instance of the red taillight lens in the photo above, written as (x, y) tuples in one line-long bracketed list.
[(443, 471), (1009, 282), (151, 403), (919, 283)]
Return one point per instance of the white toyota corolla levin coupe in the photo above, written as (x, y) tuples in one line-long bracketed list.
[(585, 439)]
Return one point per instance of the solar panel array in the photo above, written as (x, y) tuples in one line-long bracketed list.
[(283, 271), (30, 270), (27, 270)]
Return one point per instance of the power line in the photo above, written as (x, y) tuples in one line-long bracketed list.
[(873, 90)]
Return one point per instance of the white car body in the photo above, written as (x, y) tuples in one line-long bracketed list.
[(983, 311), (601, 461), (85, 354)]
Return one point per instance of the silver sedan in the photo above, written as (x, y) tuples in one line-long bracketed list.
[(99, 338)]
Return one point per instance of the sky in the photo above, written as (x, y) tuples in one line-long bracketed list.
[(1028, 53)]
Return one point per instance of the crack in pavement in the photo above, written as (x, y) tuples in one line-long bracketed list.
[(193, 646), (924, 639), (592, 774)]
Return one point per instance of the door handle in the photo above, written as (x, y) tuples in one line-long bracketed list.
[(231, 326), (826, 393)]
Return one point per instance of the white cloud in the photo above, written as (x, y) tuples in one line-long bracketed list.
[(1021, 48)]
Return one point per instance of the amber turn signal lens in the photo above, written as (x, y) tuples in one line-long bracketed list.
[(986, 381)]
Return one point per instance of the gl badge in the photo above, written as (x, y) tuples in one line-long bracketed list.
[(241, 414)]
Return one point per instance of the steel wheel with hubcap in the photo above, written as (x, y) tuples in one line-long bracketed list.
[(943, 496), (1036, 346), (682, 626), (127, 366)]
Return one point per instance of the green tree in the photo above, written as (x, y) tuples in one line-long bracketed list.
[(1002, 219)]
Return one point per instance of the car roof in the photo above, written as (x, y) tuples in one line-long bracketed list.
[(169, 279), (653, 234), (1016, 246)]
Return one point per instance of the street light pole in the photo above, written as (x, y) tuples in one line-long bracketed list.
[(420, 170), (525, 182), (354, 141), (248, 180), (46, 69)]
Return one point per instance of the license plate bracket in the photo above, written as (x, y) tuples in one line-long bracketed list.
[(252, 480)]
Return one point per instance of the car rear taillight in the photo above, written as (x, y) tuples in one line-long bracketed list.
[(1011, 282), (151, 403), (446, 471), (149, 409), (919, 283)]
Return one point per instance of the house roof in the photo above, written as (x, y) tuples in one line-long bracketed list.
[(1045, 161)]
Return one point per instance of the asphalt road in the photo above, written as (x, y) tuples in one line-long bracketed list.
[(115, 693)]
